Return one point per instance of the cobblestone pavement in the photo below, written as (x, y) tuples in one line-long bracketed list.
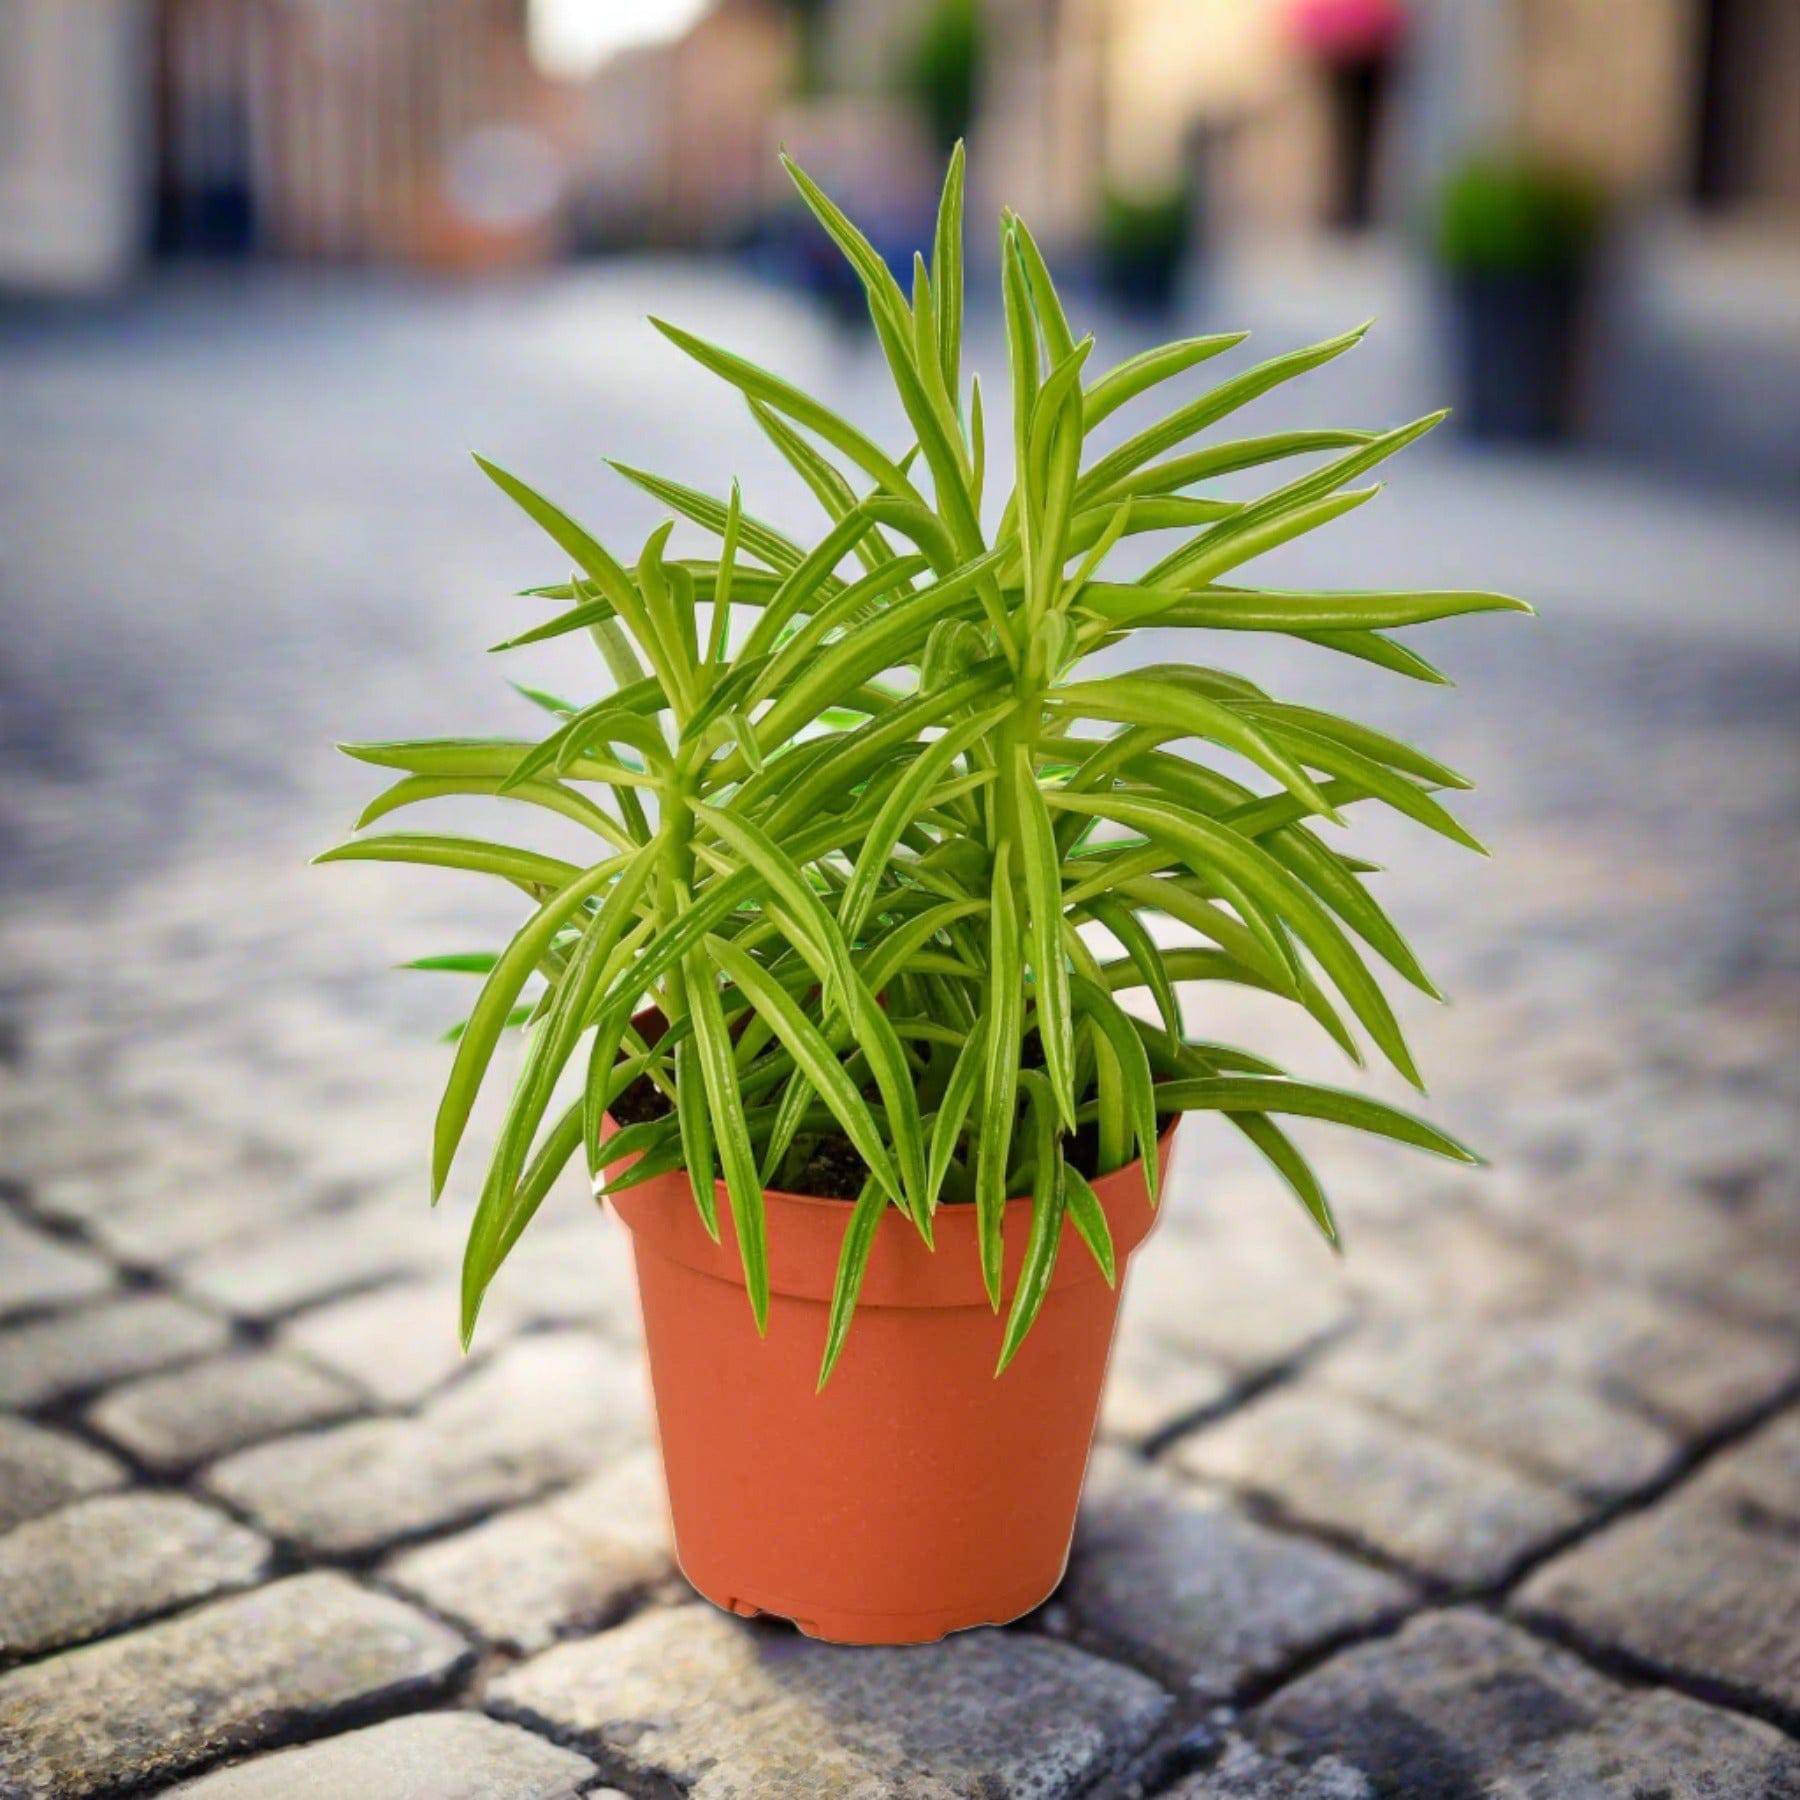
[(1505, 1502)]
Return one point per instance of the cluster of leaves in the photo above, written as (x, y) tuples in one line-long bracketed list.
[(861, 802)]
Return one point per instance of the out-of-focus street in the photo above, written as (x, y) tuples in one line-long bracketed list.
[(1537, 1430), (1502, 1502)]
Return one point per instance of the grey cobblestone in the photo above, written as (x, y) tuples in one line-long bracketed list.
[(37, 1270), (237, 1103), (174, 1200), (228, 1676), (1696, 1372), (109, 1561), (1490, 1392), (396, 1343), (721, 1708), (540, 1414), (1705, 1584), (534, 1574), (41, 1469), (435, 1756), (1151, 1383), (1181, 1580), (191, 1415), (309, 1260), (1228, 1289), (1325, 1461), (1458, 1704), (45, 1359), (1243, 1772)]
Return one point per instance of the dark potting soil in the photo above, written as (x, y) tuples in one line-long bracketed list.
[(834, 1171), (640, 1103)]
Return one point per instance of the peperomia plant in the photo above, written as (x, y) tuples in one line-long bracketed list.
[(878, 843)]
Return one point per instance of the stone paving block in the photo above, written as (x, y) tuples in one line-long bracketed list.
[(1704, 1585), (115, 1559), (1243, 1772), (397, 1343), (576, 1271), (1461, 1705), (1494, 1393), (1330, 1464), (532, 1575), (187, 1197), (1451, 1260), (430, 1756), (38, 1270), (721, 1708), (177, 1420), (546, 1409), (226, 1677), (317, 1258), (71, 1352), (1150, 1385), (1179, 1579), (1759, 1476), (1696, 1371), (1679, 1240), (1247, 1298), (41, 1469)]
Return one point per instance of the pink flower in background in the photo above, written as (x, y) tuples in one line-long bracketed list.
[(1345, 30)]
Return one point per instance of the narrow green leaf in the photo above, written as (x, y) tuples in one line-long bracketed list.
[(1048, 1205), (509, 974), (953, 1110), (1185, 421), (1134, 1067), (743, 1181), (1268, 1094), (1089, 1218), (853, 1261), (947, 270), (1044, 903), (1293, 1168), (999, 1085), (1144, 371)]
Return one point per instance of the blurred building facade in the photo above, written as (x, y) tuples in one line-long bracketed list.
[(422, 130), (1681, 101)]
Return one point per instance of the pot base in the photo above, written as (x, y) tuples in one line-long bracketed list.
[(835, 1627)]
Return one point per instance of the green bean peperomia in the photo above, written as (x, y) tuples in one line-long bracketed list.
[(878, 843)]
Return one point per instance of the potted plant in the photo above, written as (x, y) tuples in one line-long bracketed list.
[(1516, 238), (830, 1013)]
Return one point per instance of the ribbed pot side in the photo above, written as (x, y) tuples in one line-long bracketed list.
[(917, 1494)]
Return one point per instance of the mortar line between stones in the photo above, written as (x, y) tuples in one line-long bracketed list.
[(1615, 1664), (1241, 1393), (1632, 1670), (1695, 1457)]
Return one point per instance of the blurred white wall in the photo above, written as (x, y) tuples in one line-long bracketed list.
[(73, 142)]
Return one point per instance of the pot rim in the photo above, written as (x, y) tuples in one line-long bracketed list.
[(805, 1238)]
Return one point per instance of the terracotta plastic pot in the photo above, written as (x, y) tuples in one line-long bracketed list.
[(918, 1494)]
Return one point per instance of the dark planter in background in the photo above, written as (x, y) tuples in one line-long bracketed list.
[(1518, 241), (1515, 336), (1143, 247)]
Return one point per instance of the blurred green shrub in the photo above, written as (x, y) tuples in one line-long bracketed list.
[(1509, 215), (945, 74)]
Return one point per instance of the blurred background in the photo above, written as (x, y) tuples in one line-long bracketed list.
[(1600, 196), (269, 268)]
